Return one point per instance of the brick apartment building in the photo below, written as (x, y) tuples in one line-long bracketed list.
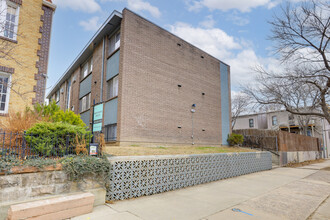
[(25, 27), (155, 87)]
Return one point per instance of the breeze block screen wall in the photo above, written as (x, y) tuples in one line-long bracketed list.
[(146, 175)]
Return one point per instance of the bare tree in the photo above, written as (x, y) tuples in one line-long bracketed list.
[(239, 104), (301, 36)]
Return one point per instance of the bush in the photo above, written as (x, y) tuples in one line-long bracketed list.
[(67, 117), (235, 139), (53, 113), (19, 121), (78, 166), (46, 111), (50, 139)]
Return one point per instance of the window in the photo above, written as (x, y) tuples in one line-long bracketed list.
[(57, 96), (274, 120), (8, 19), (110, 132), (86, 68), (112, 87), (114, 42), (251, 123), (4, 92), (68, 95), (85, 102)]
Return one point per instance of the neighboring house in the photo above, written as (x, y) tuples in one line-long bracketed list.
[(283, 120), (150, 82), (25, 27)]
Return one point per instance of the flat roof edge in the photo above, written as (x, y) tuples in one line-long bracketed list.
[(69, 69)]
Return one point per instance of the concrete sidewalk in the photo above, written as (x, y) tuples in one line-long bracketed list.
[(281, 193)]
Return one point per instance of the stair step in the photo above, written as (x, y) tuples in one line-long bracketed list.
[(56, 208)]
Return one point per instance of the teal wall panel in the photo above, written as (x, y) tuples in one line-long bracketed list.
[(113, 65), (225, 107), (85, 86), (85, 117), (110, 112)]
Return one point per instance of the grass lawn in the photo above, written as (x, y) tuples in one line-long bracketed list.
[(136, 150)]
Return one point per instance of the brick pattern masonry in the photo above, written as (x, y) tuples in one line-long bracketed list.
[(43, 54), (7, 69), (19, 2)]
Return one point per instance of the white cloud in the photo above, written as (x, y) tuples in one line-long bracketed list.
[(242, 67), (91, 25), (213, 40), (89, 6), (238, 20), (139, 5), (209, 22), (237, 53), (225, 5)]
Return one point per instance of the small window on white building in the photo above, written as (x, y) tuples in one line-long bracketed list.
[(4, 92), (274, 120), (112, 87), (114, 42), (85, 102), (251, 123), (9, 12)]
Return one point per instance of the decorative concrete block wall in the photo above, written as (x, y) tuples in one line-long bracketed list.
[(146, 175)]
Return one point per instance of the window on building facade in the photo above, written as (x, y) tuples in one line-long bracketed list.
[(86, 68), (274, 120), (85, 102), (110, 132), (57, 96), (68, 94), (4, 92), (251, 123), (8, 19), (112, 87), (114, 42), (291, 117)]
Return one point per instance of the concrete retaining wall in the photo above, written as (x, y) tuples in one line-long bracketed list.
[(146, 175), (298, 156), (20, 188)]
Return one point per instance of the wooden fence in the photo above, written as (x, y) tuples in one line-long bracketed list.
[(278, 140)]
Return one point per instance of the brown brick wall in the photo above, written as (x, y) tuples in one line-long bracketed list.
[(75, 90), (151, 106), (96, 76), (43, 53)]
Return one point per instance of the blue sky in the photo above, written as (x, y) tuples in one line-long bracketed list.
[(234, 31)]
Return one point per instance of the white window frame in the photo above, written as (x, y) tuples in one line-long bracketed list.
[(114, 81), (251, 120), (274, 117), (83, 103), (3, 10), (5, 111), (114, 42), (68, 96), (57, 96), (87, 67)]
